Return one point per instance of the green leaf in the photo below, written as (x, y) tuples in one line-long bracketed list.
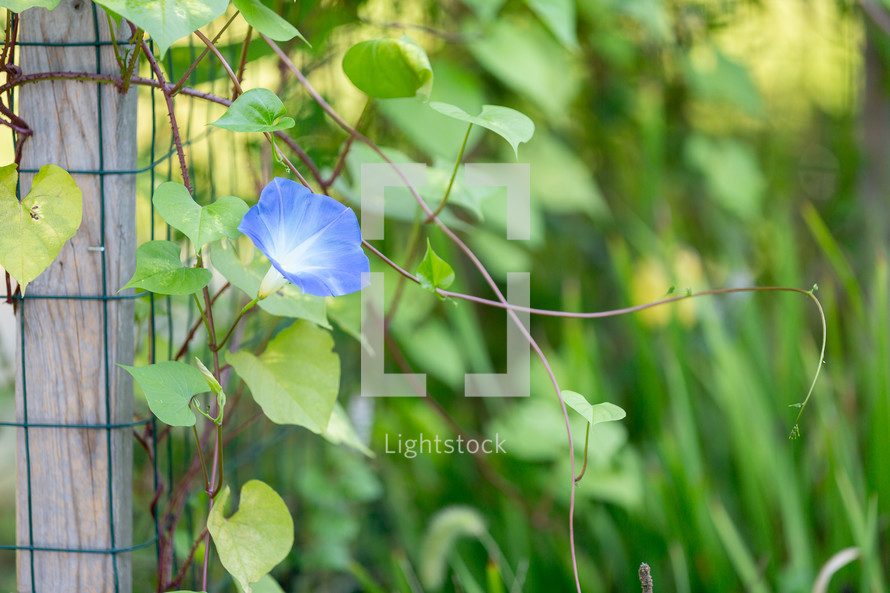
[(509, 124), (560, 18), (257, 537), (389, 68), (169, 388), (167, 20), (603, 412), (257, 110), (433, 271), (341, 432), (732, 173), (22, 5), (287, 302), (296, 379), (430, 131), (159, 270), (215, 387), (531, 429), (265, 585), (33, 232), (525, 57), (724, 81), (266, 21), (201, 225), (561, 180)]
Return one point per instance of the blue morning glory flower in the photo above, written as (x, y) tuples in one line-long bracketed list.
[(311, 240)]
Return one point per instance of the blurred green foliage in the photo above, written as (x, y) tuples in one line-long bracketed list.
[(678, 143)]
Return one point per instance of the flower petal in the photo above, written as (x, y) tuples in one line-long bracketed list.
[(312, 240)]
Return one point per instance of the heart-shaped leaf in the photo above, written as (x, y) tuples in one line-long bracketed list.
[(33, 232), (389, 68), (169, 388), (201, 225), (167, 20), (433, 271), (257, 537), (266, 21), (257, 110), (509, 124), (159, 270), (296, 379), (596, 413)]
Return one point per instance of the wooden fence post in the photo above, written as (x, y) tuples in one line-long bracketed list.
[(74, 485)]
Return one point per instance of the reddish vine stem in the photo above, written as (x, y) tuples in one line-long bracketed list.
[(174, 128), (217, 449), (507, 488), (197, 324), (112, 79), (237, 84), (172, 516), (304, 158), (341, 159), (12, 30), (177, 580), (354, 134), (9, 300), (15, 128), (4, 55), (476, 262), (242, 60), (181, 82), (15, 122)]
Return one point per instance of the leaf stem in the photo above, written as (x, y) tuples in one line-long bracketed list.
[(117, 53), (201, 456), (201, 311), (219, 445), (460, 156), (584, 467), (246, 308)]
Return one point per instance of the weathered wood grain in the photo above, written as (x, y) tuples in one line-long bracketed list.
[(67, 375)]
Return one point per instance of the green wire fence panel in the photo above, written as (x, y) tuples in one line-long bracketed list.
[(74, 407)]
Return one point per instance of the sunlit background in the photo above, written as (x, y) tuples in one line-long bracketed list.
[(679, 145)]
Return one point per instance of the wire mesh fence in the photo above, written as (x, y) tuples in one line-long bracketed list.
[(23, 561)]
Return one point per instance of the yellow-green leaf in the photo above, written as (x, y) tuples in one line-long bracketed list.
[(33, 232), (296, 379), (254, 539)]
